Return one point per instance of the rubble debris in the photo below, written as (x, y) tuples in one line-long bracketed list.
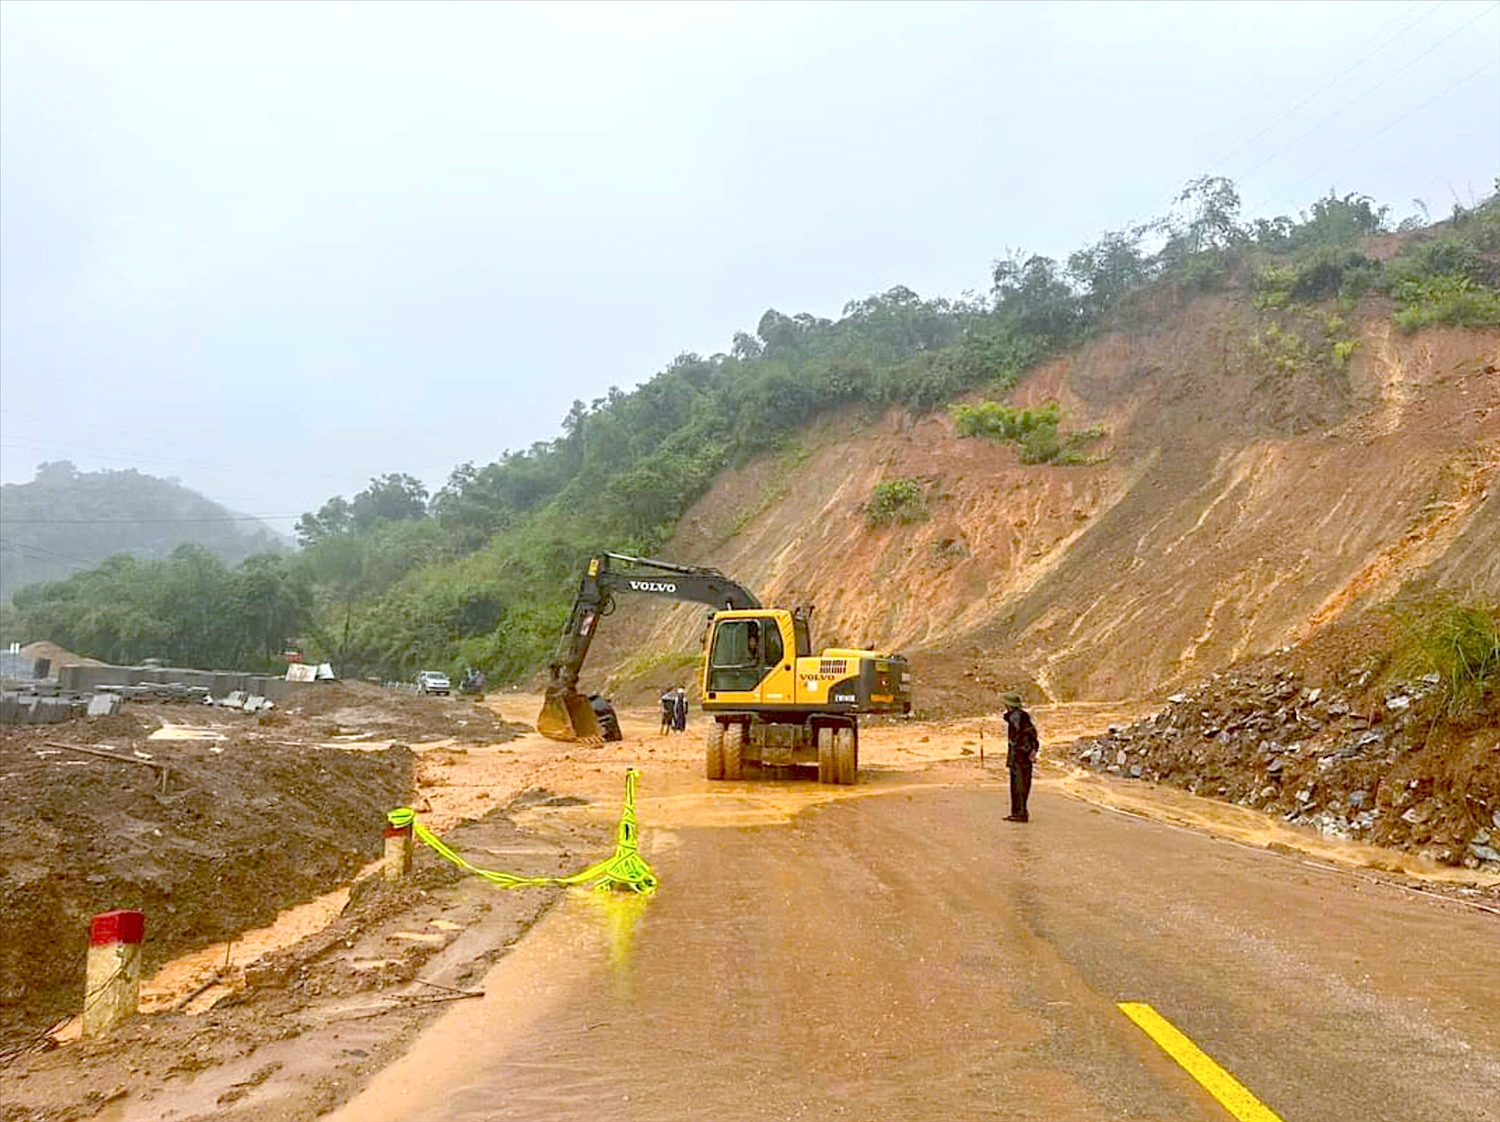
[(1328, 757)]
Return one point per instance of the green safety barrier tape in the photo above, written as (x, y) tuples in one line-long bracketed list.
[(625, 868)]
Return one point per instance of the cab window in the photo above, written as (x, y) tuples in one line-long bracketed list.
[(735, 661), (773, 650)]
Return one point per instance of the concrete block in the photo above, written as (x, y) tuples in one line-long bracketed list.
[(104, 705)]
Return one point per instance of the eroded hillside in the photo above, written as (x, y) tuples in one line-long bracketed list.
[(1241, 501)]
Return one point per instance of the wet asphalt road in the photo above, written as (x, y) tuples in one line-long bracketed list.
[(914, 956)]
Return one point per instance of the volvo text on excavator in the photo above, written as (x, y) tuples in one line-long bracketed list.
[(772, 700)]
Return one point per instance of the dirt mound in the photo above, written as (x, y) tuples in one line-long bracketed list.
[(122, 727), (358, 709), (1335, 749), (246, 828), (58, 655)]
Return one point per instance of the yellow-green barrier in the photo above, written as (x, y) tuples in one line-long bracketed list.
[(624, 869)]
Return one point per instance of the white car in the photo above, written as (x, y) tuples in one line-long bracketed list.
[(433, 681)]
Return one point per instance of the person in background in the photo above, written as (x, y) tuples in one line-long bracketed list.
[(668, 711), (1022, 747), (679, 710)]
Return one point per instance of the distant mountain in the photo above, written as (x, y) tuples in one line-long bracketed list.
[(65, 520)]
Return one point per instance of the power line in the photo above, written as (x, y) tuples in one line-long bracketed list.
[(147, 458), (1409, 113), (1328, 84), (37, 553), (1360, 97), (140, 521)]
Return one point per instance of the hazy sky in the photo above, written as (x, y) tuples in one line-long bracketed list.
[(274, 249)]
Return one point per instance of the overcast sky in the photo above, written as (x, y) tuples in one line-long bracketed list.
[(275, 249)]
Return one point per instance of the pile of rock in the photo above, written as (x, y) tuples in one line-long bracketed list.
[(159, 691), (1335, 759), (239, 699)]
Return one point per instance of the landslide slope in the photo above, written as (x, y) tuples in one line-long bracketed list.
[(1240, 504)]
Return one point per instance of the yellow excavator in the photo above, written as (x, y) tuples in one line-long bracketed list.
[(772, 700)]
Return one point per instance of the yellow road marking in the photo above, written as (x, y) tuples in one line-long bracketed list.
[(1230, 1092)]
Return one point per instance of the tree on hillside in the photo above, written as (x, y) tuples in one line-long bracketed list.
[(1032, 294), (1213, 214), (394, 497), (333, 517), (1109, 269), (65, 520), (1335, 221), (389, 498)]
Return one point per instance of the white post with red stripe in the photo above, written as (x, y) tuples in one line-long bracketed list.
[(112, 990)]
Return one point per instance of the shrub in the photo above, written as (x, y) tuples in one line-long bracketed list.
[(1458, 641), (1034, 431), (1004, 422), (898, 501), (1446, 298)]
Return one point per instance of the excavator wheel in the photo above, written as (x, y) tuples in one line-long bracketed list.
[(734, 750), (845, 757), (826, 769), (713, 760)]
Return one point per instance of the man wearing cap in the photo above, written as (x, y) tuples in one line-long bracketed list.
[(1021, 751)]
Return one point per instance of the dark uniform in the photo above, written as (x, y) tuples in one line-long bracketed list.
[(1021, 752)]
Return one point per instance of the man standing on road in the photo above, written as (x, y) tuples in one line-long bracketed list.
[(1021, 751), (668, 710), (680, 710)]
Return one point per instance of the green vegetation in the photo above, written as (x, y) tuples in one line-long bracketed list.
[(189, 609), (481, 573), (1299, 340), (1450, 278), (1033, 431), (896, 501), (1459, 641), (65, 520)]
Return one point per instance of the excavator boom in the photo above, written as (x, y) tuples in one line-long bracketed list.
[(566, 714)]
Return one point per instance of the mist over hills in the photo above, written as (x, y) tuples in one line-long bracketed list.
[(66, 520)]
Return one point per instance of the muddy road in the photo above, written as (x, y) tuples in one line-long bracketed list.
[(909, 954), (891, 950)]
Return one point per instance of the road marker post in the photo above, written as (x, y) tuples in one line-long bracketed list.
[(398, 850), (1231, 1094), (112, 980)]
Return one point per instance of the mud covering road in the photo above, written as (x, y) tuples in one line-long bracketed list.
[(890, 950), (912, 955)]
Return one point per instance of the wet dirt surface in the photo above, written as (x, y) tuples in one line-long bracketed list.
[(891, 950), (899, 951), (912, 955)]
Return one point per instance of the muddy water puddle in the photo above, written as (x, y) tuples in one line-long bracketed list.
[(190, 984), (587, 934)]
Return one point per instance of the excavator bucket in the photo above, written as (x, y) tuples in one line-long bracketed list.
[(567, 715)]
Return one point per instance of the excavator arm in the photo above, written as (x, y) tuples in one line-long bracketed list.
[(566, 714)]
